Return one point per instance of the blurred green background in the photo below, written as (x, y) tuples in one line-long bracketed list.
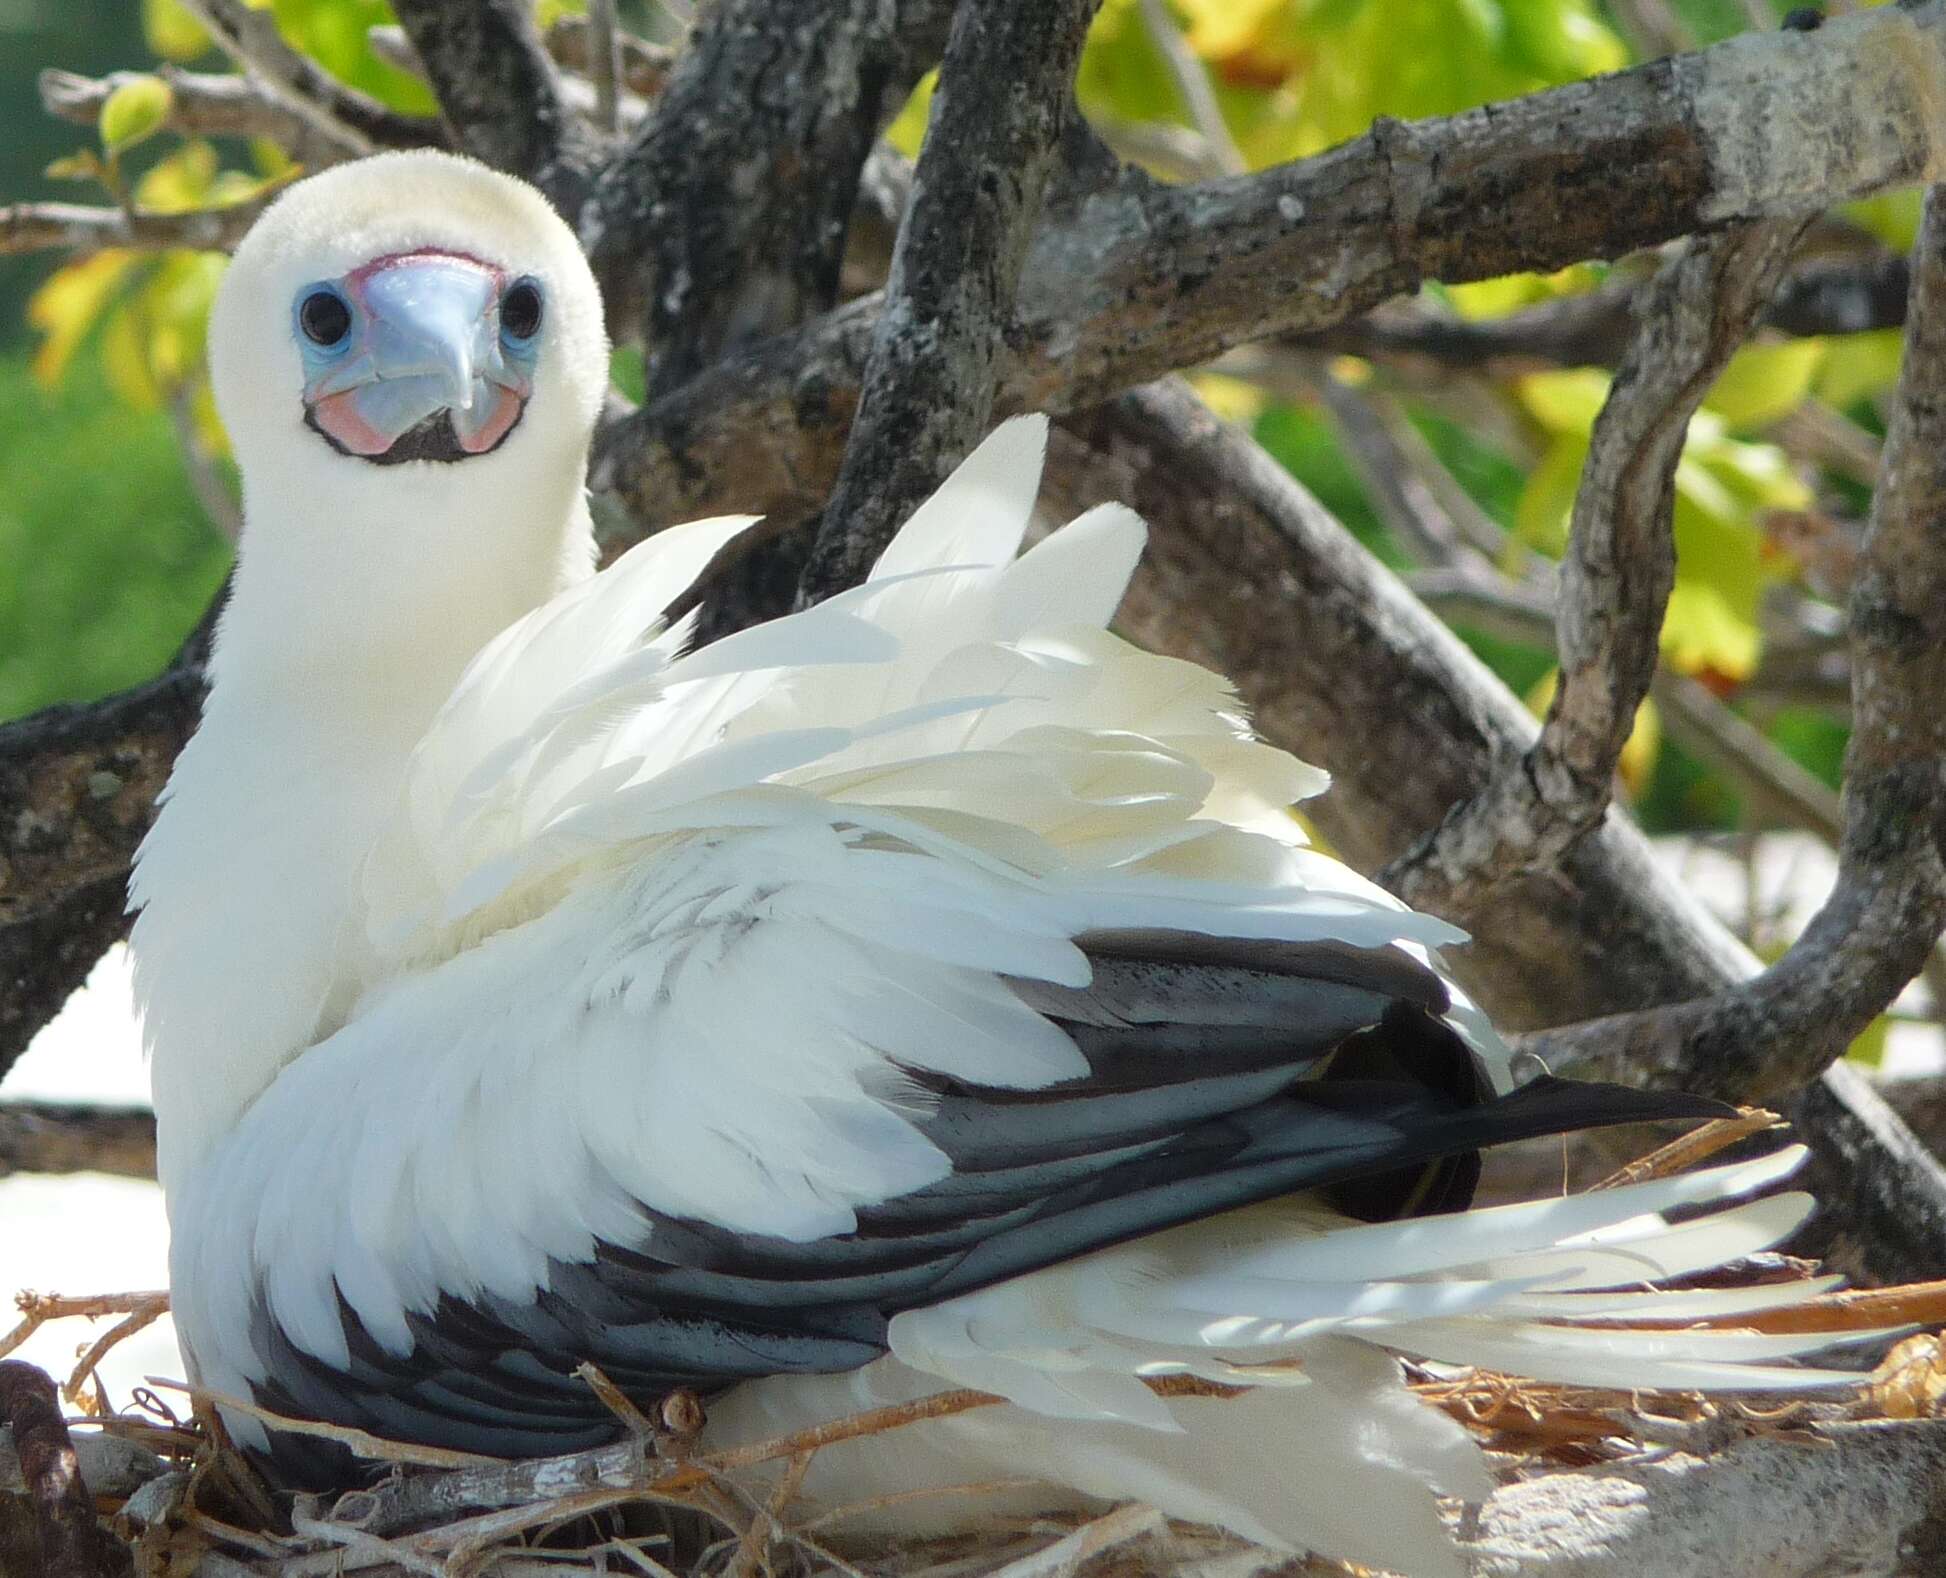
[(107, 558)]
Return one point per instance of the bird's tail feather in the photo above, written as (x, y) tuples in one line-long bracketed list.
[(1106, 1361)]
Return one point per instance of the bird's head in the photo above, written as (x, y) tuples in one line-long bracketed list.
[(409, 355), (412, 309)]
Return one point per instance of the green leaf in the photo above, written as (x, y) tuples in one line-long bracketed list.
[(1869, 1048), (172, 32), (133, 113), (1858, 366), (1546, 506)]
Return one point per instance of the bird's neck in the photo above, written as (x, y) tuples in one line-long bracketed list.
[(338, 646)]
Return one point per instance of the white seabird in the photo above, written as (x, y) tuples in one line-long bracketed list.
[(925, 990)]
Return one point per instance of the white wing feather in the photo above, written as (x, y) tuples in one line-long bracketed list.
[(668, 926)]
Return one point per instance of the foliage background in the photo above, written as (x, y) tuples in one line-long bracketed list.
[(109, 558)]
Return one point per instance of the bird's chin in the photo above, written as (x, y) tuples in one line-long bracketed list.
[(435, 439)]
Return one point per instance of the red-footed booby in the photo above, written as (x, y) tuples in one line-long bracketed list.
[(927, 989)]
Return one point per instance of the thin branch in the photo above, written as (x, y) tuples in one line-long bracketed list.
[(83, 228), (73, 1544), (1005, 89), (207, 104), (1614, 583), (604, 64), (1885, 913), (645, 66), (1144, 282), (1774, 784), (1824, 296), (354, 120), (72, 1137), (1192, 81), (501, 93)]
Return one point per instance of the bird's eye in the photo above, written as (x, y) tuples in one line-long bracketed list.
[(325, 317), (520, 311)]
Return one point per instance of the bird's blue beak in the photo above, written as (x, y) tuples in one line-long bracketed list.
[(420, 356)]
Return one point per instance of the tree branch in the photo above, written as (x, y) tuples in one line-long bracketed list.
[(1593, 330), (778, 101), (79, 785), (1614, 582), (1005, 89), (1885, 914), (645, 66), (350, 119), (45, 958), (1144, 282), (73, 1137), (500, 93), (84, 228), (210, 104)]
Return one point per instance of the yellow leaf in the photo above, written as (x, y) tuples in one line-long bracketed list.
[(69, 303), (908, 128), (1495, 298), (1640, 751), (1701, 631), (179, 183), (1217, 29), (1564, 402), (209, 426), (82, 165), (1230, 398), (134, 112), (124, 357), (1764, 383)]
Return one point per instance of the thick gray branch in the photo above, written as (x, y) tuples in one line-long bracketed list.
[(1885, 914), (1140, 283), (500, 92), (1614, 582), (1005, 90)]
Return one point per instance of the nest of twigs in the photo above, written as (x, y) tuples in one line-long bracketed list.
[(176, 1499)]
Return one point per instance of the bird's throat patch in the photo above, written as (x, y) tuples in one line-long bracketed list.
[(435, 439)]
